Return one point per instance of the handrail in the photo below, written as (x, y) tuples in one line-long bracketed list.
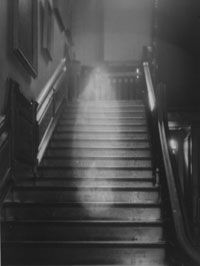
[(3, 133), (59, 70), (6, 179), (2, 124), (151, 93), (177, 214), (47, 102)]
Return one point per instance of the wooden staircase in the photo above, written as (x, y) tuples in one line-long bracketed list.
[(95, 202)]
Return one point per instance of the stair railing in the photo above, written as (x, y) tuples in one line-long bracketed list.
[(50, 103), (184, 251), (5, 159), (27, 127)]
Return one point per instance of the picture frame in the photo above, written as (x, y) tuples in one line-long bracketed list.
[(58, 15), (25, 34), (47, 30)]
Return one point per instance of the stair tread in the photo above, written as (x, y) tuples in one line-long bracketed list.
[(107, 114), (74, 178), (79, 131), (114, 158), (87, 181), (100, 116), (81, 204), (101, 148), (117, 138), (86, 124), (89, 222), (65, 188), (97, 167), (90, 243)]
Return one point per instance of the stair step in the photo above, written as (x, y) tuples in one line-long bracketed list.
[(105, 108), (98, 128), (103, 123), (83, 210), (104, 114), (61, 230), (116, 163), (52, 171), (86, 194), (159, 264), (107, 144), (86, 253), (82, 119), (99, 153), (106, 104), (89, 182), (100, 136)]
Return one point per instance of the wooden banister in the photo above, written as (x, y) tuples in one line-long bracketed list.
[(149, 83), (2, 124), (182, 238), (48, 87), (24, 121), (50, 102)]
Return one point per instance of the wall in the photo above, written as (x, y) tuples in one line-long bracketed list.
[(178, 41), (11, 68), (127, 28), (87, 31), (111, 30)]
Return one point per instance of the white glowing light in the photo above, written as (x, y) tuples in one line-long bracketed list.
[(99, 86), (173, 145)]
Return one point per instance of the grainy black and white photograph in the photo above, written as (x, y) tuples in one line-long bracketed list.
[(100, 133)]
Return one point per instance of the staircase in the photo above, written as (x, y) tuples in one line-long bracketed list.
[(95, 202)]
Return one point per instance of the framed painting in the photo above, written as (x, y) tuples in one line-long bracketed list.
[(58, 14), (25, 33), (47, 30)]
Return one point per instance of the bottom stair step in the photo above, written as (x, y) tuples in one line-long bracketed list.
[(83, 210), (82, 230), (59, 253)]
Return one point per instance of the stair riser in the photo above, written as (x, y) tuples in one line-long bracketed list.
[(95, 128), (83, 118), (87, 196), (102, 123), (90, 182), (91, 232), (103, 163), (27, 255), (103, 108), (105, 115), (94, 173), (100, 136), (99, 153), (105, 105), (108, 105), (107, 144), (86, 212)]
